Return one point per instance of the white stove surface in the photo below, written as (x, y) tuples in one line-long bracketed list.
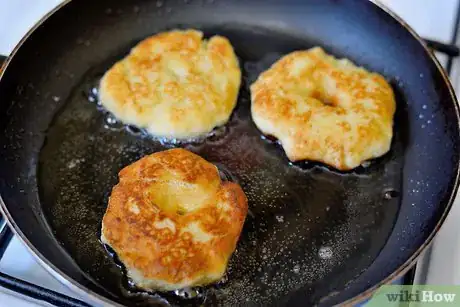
[(430, 18)]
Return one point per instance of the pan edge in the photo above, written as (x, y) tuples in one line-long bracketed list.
[(413, 259), (85, 292)]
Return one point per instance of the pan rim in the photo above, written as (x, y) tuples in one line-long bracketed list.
[(409, 263), (402, 269), (63, 278)]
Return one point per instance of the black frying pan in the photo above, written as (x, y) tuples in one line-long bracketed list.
[(315, 236)]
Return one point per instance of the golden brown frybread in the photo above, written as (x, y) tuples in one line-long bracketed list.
[(324, 109), (175, 84), (172, 222)]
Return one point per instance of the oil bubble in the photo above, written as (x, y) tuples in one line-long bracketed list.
[(296, 269), (217, 134), (112, 123), (188, 293), (390, 194), (325, 252), (269, 138), (134, 130)]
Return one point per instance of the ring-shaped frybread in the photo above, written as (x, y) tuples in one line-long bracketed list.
[(324, 109), (172, 222)]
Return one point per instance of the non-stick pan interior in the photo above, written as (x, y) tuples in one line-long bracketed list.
[(311, 231)]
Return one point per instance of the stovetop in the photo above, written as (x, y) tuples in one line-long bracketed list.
[(432, 19)]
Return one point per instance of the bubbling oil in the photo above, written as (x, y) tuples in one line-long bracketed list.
[(197, 294), (280, 249), (112, 123)]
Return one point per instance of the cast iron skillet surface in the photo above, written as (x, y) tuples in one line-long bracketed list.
[(314, 236)]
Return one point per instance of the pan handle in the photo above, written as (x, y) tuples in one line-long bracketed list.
[(2, 59), (39, 293), (449, 49), (5, 236), (26, 288), (21, 286)]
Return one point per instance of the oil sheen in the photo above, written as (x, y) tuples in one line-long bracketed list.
[(306, 221)]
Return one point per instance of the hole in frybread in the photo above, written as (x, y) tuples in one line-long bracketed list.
[(181, 211), (179, 197), (176, 196), (324, 98)]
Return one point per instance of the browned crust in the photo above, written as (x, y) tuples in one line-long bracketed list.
[(324, 109), (173, 257), (174, 84)]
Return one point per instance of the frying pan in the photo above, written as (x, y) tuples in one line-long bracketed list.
[(315, 236)]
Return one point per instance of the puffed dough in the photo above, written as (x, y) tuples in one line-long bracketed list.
[(324, 109), (172, 222), (174, 84)]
